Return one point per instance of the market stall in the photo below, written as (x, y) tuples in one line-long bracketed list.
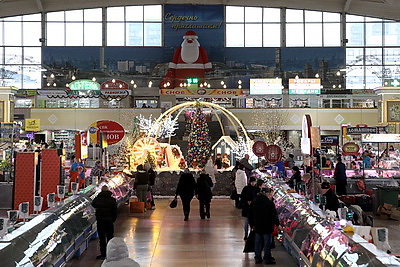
[(313, 239), (54, 236)]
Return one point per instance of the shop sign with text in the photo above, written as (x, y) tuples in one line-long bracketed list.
[(113, 131), (350, 149), (201, 91), (84, 85)]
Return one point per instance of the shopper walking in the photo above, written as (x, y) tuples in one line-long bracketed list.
[(240, 181), (249, 192), (106, 214), (142, 183), (204, 194), (263, 217), (186, 190), (152, 180)]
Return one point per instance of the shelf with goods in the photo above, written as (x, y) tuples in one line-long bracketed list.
[(68, 137), (313, 239)]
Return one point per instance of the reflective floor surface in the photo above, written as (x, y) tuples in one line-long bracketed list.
[(161, 238)]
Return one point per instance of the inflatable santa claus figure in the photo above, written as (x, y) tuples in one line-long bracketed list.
[(189, 61)]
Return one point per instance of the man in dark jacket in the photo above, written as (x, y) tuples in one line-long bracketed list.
[(262, 218), (332, 202), (248, 168), (185, 189), (106, 214), (249, 192), (340, 177), (204, 194)]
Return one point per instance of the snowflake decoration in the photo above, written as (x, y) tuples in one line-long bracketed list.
[(166, 130)]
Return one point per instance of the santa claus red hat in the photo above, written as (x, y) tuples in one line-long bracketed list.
[(190, 35)]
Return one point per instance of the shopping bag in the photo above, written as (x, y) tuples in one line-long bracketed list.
[(173, 203), (149, 197), (275, 232), (136, 207), (233, 195), (250, 242)]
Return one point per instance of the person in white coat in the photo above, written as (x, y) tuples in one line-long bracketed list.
[(240, 179), (118, 255), (210, 169)]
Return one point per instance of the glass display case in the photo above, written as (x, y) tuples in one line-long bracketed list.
[(53, 236), (314, 240)]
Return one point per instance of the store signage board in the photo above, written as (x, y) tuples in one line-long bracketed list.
[(304, 86), (259, 148), (392, 83), (380, 138), (350, 149), (51, 92), (84, 85), (113, 131), (114, 85), (362, 130), (32, 124), (305, 144), (114, 92), (200, 91), (273, 154), (266, 86), (332, 140)]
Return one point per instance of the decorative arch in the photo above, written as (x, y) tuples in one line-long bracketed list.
[(213, 107)]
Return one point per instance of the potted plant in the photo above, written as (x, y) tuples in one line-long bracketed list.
[(6, 167)]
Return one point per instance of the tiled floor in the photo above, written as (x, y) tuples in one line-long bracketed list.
[(161, 238)]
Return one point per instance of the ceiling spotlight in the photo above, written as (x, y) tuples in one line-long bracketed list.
[(94, 79), (73, 77), (113, 80), (132, 81)]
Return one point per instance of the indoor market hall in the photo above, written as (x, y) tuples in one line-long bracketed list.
[(161, 238)]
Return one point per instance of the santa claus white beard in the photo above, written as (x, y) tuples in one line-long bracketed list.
[(190, 52)]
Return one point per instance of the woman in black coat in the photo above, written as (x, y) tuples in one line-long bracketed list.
[(204, 194), (295, 180), (249, 192), (185, 189)]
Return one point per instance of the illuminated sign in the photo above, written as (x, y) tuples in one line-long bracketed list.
[(201, 91), (32, 124), (304, 86), (265, 86), (192, 80), (114, 85), (392, 83), (84, 85)]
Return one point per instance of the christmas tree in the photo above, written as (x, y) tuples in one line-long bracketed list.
[(123, 158), (199, 145)]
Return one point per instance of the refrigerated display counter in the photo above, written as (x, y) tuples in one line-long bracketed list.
[(54, 236), (314, 240)]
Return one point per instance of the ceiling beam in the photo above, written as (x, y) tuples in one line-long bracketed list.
[(39, 5), (347, 5)]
